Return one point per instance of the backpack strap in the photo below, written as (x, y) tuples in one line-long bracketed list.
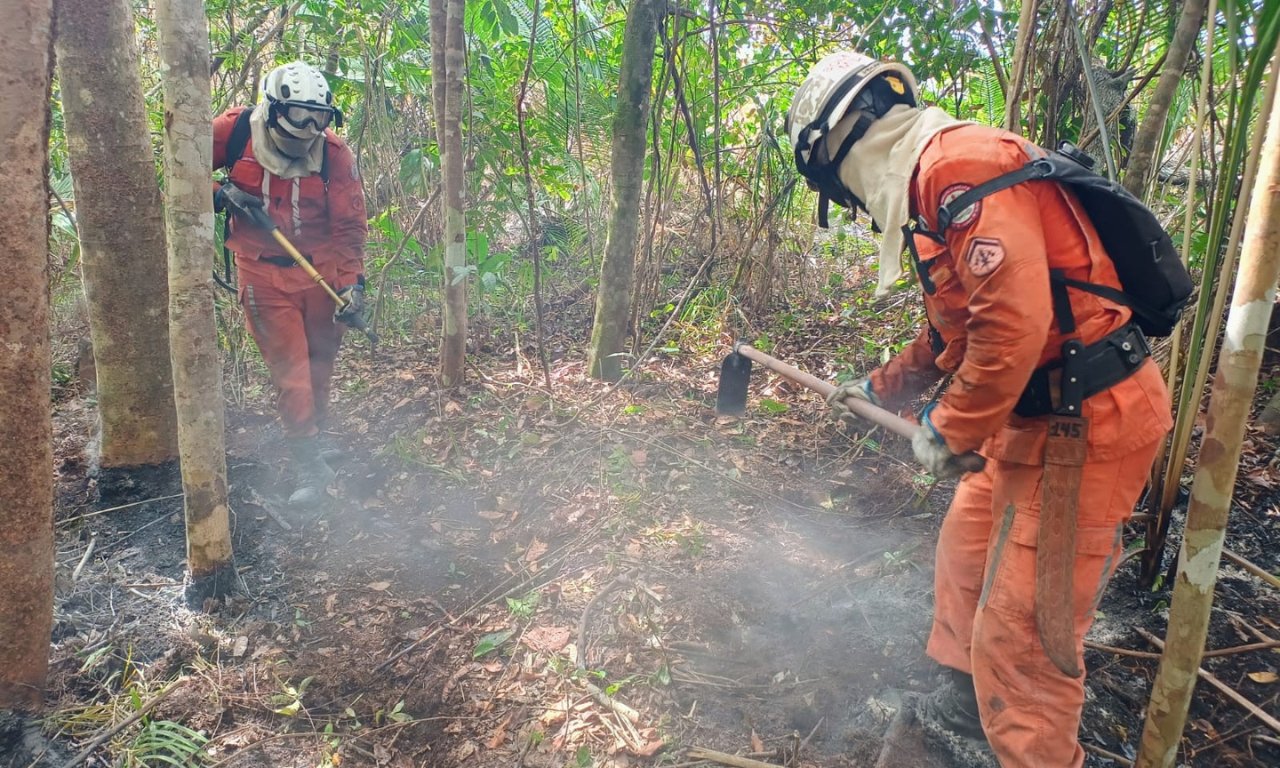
[(1029, 172), (238, 140)]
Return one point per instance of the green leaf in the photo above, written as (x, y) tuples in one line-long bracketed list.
[(490, 643), (773, 406)]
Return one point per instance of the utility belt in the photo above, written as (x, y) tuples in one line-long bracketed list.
[(1084, 371), (282, 261)]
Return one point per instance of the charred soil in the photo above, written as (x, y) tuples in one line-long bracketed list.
[(506, 576)]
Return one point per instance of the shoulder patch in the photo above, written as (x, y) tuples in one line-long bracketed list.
[(964, 218), (985, 256)]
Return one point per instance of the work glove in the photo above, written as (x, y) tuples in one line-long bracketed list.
[(353, 313), (859, 388), (240, 201), (932, 451)]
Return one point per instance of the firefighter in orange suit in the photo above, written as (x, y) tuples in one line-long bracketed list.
[(281, 155), (999, 326)]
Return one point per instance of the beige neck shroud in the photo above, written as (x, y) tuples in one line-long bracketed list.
[(879, 167), (287, 158)]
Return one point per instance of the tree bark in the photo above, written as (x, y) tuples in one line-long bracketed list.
[(26, 433), (121, 225), (635, 82), (197, 371), (1231, 398), (453, 348), (1142, 158)]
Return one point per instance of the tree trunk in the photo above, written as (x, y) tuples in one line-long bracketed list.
[(121, 226), (635, 81), (1138, 173), (197, 371), (1232, 396), (26, 433), (453, 348), (1021, 64)]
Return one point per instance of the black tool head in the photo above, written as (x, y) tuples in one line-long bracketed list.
[(735, 374)]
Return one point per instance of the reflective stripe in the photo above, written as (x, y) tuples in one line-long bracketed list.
[(297, 216), (1005, 525), (254, 317), (1105, 576)]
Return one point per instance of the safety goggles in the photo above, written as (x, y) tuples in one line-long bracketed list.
[(308, 116)]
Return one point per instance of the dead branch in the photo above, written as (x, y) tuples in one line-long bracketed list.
[(1222, 687), (724, 758), (1251, 568), (1100, 752), (106, 735)]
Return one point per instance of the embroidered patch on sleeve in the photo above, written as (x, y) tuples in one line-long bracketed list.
[(984, 256), (964, 217)]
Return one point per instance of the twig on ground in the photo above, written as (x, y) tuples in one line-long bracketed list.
[(106, 735), (1256, 570), (1120, 651), (613, 704), (77, 518), (1222, 687), (88, 552), (274, 515), (1100, 752), (1207, 654), (724, 758), (1262, 646), (408, 649)]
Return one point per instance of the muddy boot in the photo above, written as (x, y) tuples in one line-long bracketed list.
[(953, 706), (313, 475)]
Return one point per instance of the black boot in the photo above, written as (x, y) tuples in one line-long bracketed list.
[(330, 451), (953, 705), (313, 475)]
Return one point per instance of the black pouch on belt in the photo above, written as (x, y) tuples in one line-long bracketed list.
[(1098, 367)]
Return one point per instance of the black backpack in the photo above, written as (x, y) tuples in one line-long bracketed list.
[(236, 143), (1156, 286)]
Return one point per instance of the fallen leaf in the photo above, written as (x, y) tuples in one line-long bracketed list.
[(1263, 677), (242, 645), (640, 457), (379, 586), (757, 744), (547, 639), (536, 550)]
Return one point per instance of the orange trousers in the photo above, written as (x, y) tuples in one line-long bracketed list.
[(299, 340), (984, 614)]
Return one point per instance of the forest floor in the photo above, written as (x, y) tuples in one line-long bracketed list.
[(507, 576)]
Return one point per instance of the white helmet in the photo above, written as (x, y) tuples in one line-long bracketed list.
[(298, 93), (843, 82)]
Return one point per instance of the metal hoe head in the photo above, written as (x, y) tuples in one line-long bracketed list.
[(731, 394)]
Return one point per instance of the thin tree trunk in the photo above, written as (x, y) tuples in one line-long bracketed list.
[(613, 299), (1021, 64), (1232, 396), (1142, 158), (197, 372), (453, 348), (121, 225), (26, 433)]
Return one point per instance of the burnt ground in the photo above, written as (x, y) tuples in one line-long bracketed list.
[(511, 577)]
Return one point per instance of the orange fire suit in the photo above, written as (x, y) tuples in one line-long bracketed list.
[(289, 316), (992, 310)]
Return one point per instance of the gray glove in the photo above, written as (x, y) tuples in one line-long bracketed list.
[(932, 451), (229, 195), (859, 388), (353, 312)]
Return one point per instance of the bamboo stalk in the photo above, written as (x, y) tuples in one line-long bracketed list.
[(724, 758)]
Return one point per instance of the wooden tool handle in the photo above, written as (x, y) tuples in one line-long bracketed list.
[(867, 410), (306, 266), (969, 462)]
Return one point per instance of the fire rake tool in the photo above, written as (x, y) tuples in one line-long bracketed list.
[(735, 372)]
